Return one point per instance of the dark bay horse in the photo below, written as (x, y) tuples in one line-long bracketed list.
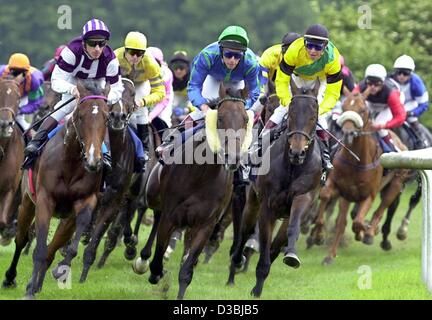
[(11, 156), (67, 179), (358, 181), (194, 195), (284, 192)]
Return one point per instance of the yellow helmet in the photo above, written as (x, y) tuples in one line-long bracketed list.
[(136, 40), (19, 61)]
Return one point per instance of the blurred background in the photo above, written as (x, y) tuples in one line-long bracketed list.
[(394, 27)]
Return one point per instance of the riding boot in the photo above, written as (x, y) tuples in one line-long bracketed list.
[(325, 158), (143, 135), (32, 149)]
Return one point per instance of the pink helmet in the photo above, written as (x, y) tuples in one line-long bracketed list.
[(58, 51), (156, 53)]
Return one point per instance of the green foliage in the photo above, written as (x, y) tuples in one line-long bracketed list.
[(397, 27)]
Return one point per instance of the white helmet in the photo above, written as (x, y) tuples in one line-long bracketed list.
[(376, 70), (404, 62)]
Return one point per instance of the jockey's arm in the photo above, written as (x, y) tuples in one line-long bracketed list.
[(169, 95), (61, 78), (35, 95), (157, 91), (420, 95), (114, 79), (253, 84), (397, 110), (283, 78), (200, 70), (333, 71)]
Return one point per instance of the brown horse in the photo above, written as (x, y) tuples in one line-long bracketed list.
[(11, 156), (194, 195), (67, 179), (358, 181)]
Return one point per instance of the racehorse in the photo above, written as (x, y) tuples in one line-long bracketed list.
[(360, 180), (66, 180), (194, 195), (284, 192), (11, 156)]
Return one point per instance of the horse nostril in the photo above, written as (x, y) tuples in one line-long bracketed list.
[(123, 117), (303, 154)]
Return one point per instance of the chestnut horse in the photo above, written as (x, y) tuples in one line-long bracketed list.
[(11, 156), (67, 179)]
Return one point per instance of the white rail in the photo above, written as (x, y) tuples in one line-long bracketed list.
[(421, 160)]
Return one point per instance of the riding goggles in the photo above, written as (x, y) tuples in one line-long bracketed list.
[(314, 45), (229, 54), (135, 52), (94, 43), (405, 72)]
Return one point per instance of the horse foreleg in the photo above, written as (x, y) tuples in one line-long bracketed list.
[(44, 211), (25, 217), (201, 236), (266, 226), (6, 205), (279, 240), (414, 200), (341, 222), (358, 224), (238, 204), (386, 228)]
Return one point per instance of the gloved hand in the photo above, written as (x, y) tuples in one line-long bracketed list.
[(377, 126), (263, 99)]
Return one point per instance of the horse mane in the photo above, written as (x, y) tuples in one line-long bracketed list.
[(92, 86)]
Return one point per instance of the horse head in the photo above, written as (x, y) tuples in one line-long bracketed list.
[(270, 102), (355, 116), (9, 102), (232, 124), (89, 121), (121, 111), (301, 121)]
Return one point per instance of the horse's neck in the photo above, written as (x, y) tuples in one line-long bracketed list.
[(365, 147), (119, 141), (72, 148)]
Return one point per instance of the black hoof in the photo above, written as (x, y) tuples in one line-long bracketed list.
[(291, 259), (386, 245), (327, 261), (368, 239), (319, 240), (401, 235), (309, 242), (130, 253), (255, 293), (154, 279), (9, 284)]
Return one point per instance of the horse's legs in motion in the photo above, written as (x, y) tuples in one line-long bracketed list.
[(31, 236), (132, 241), (44, 210), (414, 200), (266, 226), (238, 204), (341, 222), (280, 240), (358, 222), (201, 235), (388, 195), (83, 212), (140, 265), (25, 218), (386, 228), (164, 232)]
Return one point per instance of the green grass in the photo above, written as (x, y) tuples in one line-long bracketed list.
[(395, 274)]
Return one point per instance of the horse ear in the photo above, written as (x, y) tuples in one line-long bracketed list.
[(271, 87), (245, 93), (81, 89), (365, 93), (316, 87), (294, 89), (345, 91), (222, 91)]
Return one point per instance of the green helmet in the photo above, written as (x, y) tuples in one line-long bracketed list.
[(234, 37)]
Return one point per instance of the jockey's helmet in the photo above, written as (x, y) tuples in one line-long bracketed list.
[(376, 71), (317, 33), (234, 37), (135, 40), (156, 53), (289, 38), (19, 61), (94, 28), (404, 62)]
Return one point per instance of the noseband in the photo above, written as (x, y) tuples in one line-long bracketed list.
[(305, 134)]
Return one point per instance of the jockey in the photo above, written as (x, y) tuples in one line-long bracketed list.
[(229, 61), (384, 98), (48, 66), (85, 57), (308, 58), (30, 87), (269, 63), (160, 116), (180, 67), (413, 87), (139, 66)]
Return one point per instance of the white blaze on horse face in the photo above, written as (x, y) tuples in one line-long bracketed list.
[(352, 103), (95, 110), (8, 91), (121, 106), (91, 154)]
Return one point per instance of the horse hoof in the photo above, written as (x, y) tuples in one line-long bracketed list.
[(386, 245), (304, 229), (9, 284), (5, 241), (309, 242), (319, 240), (255, 292), (154, 279), (368, 239), (130, 253), (357, 227), (327, 261), (359, 236), (402, 233), (29, 297), (140, 266), (291, 259), (239, 266)]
